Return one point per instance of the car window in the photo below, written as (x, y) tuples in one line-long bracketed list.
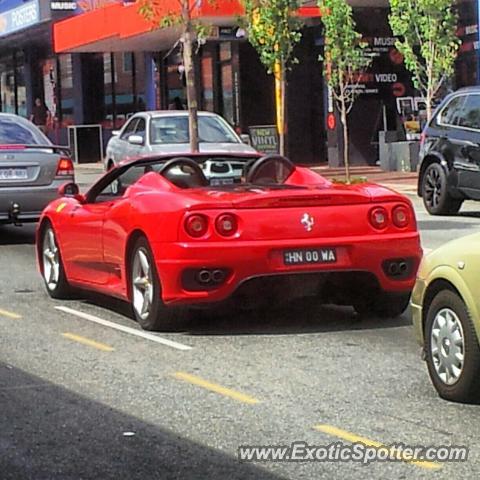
[(173, 129), (129, 129), (12, 132), (449, 115), (470, 113), (117, 187), (140, 128)]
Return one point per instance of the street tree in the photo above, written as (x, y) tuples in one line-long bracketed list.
[(191, 31), (273, 30), (344, 60), (428, 42)]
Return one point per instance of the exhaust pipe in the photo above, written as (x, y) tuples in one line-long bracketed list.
[(204, 276), (218, 276), (393, 269), (13, 214)]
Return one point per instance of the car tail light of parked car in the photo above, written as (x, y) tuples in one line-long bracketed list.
[(64, 168), (401, 216), (379, 218), (196, 225), (226, 224)]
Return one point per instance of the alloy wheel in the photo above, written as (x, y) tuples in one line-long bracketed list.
[(432, 187), (447, 346), (51, 259), (142, 282)]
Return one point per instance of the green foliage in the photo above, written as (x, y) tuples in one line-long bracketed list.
[(273, 30), (427, 40), (344, 56)]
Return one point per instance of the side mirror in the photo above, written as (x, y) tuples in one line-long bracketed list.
[(135, 139), (71, 190), (245, 137), (115, 133)]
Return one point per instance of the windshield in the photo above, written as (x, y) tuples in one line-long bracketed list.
[(175, 130), (16, 132)]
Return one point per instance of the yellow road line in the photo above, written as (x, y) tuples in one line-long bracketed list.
[(213, 387), (351, 437), (6, 313), (87, 341)]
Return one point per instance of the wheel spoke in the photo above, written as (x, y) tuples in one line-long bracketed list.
[(144, 263)]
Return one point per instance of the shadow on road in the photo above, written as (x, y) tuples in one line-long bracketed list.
[(11, 235), (305, 315), (48, 432)]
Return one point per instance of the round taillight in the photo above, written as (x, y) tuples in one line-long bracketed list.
[(196, 225), (379, 218), (226, 224), (401, 216)]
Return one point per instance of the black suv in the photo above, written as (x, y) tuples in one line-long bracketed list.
[(450, 154)]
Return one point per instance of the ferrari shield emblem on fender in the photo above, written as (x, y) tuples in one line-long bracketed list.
[(308, 222)]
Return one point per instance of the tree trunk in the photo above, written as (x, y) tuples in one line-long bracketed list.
[(280, 104), (283, 86), (190, 77), (429, 100), (346, 160)]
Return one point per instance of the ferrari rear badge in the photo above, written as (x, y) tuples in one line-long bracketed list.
[(308, 222)]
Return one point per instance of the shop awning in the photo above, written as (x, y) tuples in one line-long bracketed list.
[(119, 27)]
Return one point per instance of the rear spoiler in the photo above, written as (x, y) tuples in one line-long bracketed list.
[(56, 148)]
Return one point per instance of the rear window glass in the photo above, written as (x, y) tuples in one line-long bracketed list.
[(173, 129), (450, 114), (470, 113), (12, 133)]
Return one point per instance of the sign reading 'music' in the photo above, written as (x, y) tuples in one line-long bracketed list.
[(20, 17)]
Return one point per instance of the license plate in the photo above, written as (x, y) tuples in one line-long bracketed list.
[(218, 181), (13, 173), (306, 256)]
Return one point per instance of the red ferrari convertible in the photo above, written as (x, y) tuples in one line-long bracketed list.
[(159, 233)]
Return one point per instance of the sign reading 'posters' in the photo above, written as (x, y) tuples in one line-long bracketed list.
[(264, 138)]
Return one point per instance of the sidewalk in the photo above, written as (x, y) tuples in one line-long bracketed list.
[(403, 182)]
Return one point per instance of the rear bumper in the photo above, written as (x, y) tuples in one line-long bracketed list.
[(248, 260), (31, 201), (416, 303)]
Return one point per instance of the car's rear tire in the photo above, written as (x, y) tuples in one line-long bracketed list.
[(435, 195), (452, 349), (145, 290), (382, 305), (53, 271)]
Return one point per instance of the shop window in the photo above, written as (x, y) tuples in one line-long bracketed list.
[(66, 87), (7, 84), (124, 98), (21, 88), (227, 81), (208, 101)]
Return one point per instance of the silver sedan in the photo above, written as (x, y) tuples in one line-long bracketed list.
[(167, 132), (31, 170)]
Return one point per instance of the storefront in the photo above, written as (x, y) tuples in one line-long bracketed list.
[(231, 80), (104, 62)]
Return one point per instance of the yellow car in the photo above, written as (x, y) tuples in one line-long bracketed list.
[(446, 316)]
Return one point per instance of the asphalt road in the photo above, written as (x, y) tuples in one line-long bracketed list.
[(83, 400)]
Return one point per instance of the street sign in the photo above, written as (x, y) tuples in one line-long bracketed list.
[(264, 138)]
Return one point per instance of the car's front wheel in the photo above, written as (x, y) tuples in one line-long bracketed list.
[(452, 350), (145, 290), (436, 197), (52, 265)]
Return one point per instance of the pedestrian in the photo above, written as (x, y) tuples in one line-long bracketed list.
[(176, 104), (40, 115)]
